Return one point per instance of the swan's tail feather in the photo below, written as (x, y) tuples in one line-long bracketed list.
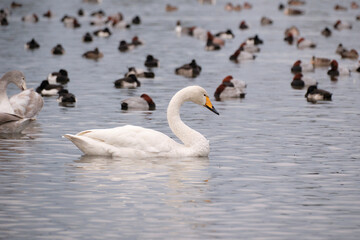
[(88, 145)]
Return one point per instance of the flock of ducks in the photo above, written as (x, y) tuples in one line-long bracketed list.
[(120, 141)]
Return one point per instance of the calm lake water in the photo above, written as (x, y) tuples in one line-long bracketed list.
[(279, 167)]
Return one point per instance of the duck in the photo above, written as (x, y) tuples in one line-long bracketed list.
[(320, 62), (139, 73), (103, 32), (237, 8), (340, 48), (138, 142), (299, 81), (136, 41), (314, 94), (16, 5), (151, 62), (4, 21), (249, 47), (70, 22), (143, 103), (289, 38), (299, 67), (293, 12), (32, 44), (47, 89), (119, 24), (127, 82), (211, 46), (335, 70), (255, 39), (266, 21), (81, 12), (216, 40), (124, 46), (338, 7), (190, 70), (295, 32), (24, 105), (98, 14), (65, 98), (228, 7), (326, 32), (240, 55), (303, 43), (170, 8), (87, 37), (48, 14), (230, 88), (354, 5), (30, 18), (340, 25), (243, 25), (228, 34), (296, 2), (136, 20), (58, 77), (352, 54), (58, 50), (95, 54), (247, 5)]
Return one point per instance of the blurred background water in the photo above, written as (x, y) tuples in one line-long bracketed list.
[(279, 167)]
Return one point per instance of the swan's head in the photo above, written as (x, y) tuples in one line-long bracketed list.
[(199, 96), (15, 77)]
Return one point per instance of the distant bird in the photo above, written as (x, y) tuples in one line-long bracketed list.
[(48, 14), (243, 25), (81, 12), (247, 5), (338, 7), (320, 62), (142, 103), (303, 43), (326, 32), (170, 8), (47, 89), (4, 21), (354, 5), (58, 77), (95, 54), (136, 20), (136, 41), (296, 2), (213, 43), (230, 88), (30, 18), (128, 82), (266, 21), (250, 47), (151, 61), (352, 54), (299, 81), (255, 39), (103, 32), (293, 30), (293, 12), (240, 55), (340, 25), (228, 34), (124, 46), (16, 5), (190, 70), (58, 50), (198, 33), (99, 14), (139, 73), (314, 94), (335, 70), (340, 48), (299, 67), (65, 97), (87, 37), (32, 44), (356, 67), (70, 22)]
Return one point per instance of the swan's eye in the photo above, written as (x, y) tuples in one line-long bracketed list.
[(23, 78), (204, 95)]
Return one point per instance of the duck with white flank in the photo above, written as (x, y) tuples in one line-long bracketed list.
[(58, 77), (228, 34), (303, 43), (335, 70), (341, 25), (47, 89), (103, 32), (127, 82), (17, 112), (190, 70), (137, 142), (142, 103), (240, 55), (140, 73), (230, 88), (314, 94)]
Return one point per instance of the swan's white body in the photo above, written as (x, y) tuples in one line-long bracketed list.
[(17, 111), (138, 142)]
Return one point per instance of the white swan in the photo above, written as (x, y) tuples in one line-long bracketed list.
[(137, 142), (25, 105)]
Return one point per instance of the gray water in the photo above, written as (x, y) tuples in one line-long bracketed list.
[(279, 167)]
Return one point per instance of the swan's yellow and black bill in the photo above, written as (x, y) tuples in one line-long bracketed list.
[(209, 105)]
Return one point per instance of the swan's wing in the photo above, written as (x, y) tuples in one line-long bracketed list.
[(27, 104), (11, 123), (127, 141)]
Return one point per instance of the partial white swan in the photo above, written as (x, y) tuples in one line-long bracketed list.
[(137, 142), (25, 105)]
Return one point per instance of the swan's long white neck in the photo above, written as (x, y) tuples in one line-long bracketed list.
[(5, 105), (187, 135)]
